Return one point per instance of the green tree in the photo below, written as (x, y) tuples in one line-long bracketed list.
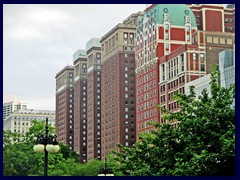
[(19, 159), (68, 153), (202, 144), (37, 127)]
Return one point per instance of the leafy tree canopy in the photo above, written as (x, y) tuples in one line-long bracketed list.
[(203, 143)]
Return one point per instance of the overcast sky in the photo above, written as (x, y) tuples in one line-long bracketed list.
[(39, 41)]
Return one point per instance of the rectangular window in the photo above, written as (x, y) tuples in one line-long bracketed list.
[(166, 26), (166, 36), (202, 57), (197, 18), (194, 56), (167, 45)]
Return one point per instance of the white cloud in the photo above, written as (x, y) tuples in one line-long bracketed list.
[(39, 41)]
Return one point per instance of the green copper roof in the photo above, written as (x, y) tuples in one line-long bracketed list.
[(176, 12), (81, 53), (94, 42)]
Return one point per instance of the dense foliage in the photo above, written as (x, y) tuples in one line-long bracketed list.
[(202, 144), (19, 159)]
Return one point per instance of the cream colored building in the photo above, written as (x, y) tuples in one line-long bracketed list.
[(9, 107), (20, 121)]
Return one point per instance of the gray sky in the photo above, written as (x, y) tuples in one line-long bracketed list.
[(39, 40)]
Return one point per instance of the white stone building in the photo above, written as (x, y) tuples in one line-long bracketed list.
[(20, 121)]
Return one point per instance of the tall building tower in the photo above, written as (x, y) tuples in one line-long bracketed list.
[(118, 86), (80, 104), (171, 52), (64, 106), (10, 107), (162, 30), (93, 48), (214, 17)]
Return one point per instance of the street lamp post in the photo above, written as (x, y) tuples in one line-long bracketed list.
[(46, 143), (106, 171)]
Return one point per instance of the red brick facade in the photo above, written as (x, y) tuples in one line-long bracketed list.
[(185, 55), (64, 106), (80, 108)]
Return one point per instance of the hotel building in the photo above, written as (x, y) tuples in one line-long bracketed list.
[(80, 104), (93, 48), (64, 106), (118, 120), (170, 52)]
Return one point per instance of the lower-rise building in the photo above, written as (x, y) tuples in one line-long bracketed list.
[(20, 121), (9, 107), (227, 74)]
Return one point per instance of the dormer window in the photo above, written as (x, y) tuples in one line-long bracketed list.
[(166, 17), (187, 19)]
